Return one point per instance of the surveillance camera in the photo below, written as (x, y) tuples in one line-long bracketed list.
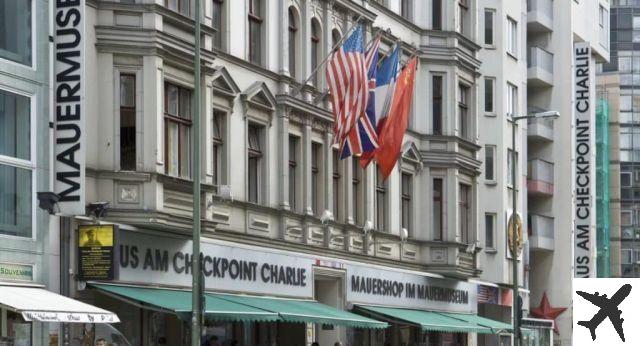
[(368, 226), (404, 234), (48, 201), (98, 209), (326, 217)]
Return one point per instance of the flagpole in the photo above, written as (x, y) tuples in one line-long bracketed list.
[(297, 90)]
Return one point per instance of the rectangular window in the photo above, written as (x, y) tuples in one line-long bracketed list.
[(337, 186), (489, 92), (626, 218), (255, 154), (489, 230), (316, 181), (255, 31), (512, 100), (181, 6), (15, 31), (625, 179), (437, 104), (437, 212), (464, 209), (512, 37), (509, 167), (294, 147), (463, 9), (15, 328), (218, 145), (436, 14), (381, 202), (488, 27), (216, 22), (177, 123), (490, 163), (463, 111), (356, 185), (627, 256), (405, 9), (407, 200), (127, 122), (16, 166)]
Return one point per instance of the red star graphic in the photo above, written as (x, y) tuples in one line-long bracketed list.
[(547, 312)]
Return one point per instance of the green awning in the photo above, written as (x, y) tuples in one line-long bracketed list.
[(179, 302), (496, 326), (431, 320), (306, 311)]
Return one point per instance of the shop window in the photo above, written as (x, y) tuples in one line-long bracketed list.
[(255, 163), (127, 122), (293, 41), (217, 15), (316, 180), (436, 104), (337, 185), (437, 212), (255, 31), (17, 332), (15, 31), (16, 165), (177, 122), (218, 146)]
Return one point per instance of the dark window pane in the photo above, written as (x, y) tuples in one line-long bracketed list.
[(437, 209), (437, 105), (488, 27), (127, 122), (15, 125), (488, 95), (436, 14), (15, 30), (15, 201), (216, 19)]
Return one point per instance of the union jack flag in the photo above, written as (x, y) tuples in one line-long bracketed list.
[(364, 137), (347, 78)]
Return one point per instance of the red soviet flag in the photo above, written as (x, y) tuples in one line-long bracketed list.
[(393, 129)]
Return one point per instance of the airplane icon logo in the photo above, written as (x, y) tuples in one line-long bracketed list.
[(608, 309)]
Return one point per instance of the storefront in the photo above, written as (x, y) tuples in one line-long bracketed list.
[(261, 296)]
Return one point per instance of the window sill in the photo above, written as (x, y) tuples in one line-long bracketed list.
[(489, 46), (491, 182), (491, 251), (490, 114)]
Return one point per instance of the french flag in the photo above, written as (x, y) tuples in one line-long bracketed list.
[(385, 90)]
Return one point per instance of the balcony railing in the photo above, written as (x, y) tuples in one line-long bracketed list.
[(540, 15), (539, 66), (540, 129), (540, 177), (541, 235)]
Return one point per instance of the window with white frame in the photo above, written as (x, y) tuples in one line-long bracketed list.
[(16, 36), (293, 41), (180, 6), (316, 179), (512, 100), (512, 37), (490, 163), (510, 167), (489, 94), (127, 122), (255, 160), (407, 200), (336, 180), (218, 145), (381, 201), (217, 17), (16, 165), (489, 15), (177, 122), (294, 147), (490, 231), (255, 31)]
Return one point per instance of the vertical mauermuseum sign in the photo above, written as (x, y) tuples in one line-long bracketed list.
[(69, 105), (584, 168)]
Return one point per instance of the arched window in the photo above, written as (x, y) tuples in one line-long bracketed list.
[(315, 47), (335, 37), (293, 40)]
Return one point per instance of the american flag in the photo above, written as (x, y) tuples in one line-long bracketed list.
[(347, 78), (363, 137), (488, 294)]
